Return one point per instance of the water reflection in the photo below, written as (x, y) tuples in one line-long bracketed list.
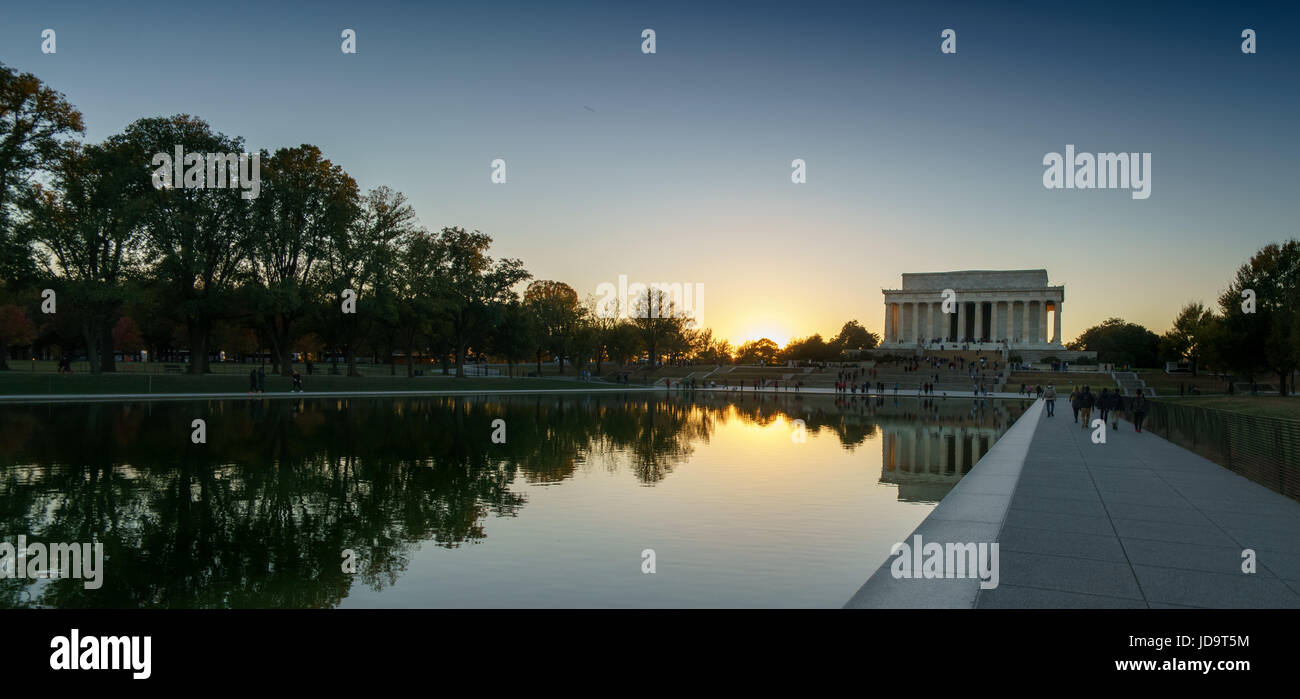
[(258, 516)]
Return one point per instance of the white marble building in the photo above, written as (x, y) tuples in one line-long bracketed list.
[(991, 309)]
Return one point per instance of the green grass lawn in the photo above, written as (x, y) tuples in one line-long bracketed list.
[(44, 383), (1167, 384), (1062, 380), (1264, 406)]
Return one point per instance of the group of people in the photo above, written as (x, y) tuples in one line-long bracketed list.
[(774, 384), (257, 381), (1109, 404)]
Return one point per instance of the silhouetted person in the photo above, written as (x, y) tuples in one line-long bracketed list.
[(1139, 408)]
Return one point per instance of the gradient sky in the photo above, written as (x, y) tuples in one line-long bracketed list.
[(675, 167)]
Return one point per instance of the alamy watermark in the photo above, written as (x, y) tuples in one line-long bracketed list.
[(77, 652), (209, 171), (42, 561), (653, 300), (950, 560), (1130, 171)]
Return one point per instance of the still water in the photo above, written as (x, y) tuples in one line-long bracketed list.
[(742, 505)]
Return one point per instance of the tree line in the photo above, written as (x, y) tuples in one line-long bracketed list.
[(206, 270), (1253, 333)]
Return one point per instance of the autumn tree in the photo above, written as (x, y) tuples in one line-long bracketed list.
[(306, 206), (474, 288), (1260, 329), (195, 239), (16, 330), (555, 311), (362, 257), (757, 351), (36, 123), (658, 321), (86, 230), (1187, 336)]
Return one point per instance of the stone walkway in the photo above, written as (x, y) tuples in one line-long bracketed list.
[(1139, 522)]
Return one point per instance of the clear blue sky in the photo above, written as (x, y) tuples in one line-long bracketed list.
[(676, 166)]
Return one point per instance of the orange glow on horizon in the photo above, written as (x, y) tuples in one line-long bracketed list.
[(780, 337)]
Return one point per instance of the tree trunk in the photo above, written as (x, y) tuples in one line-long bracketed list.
[(106, 361), (280, 341), (286, 362), (92, 340), (198, 350), (460, 360), (273, 338), (351, 355), (198, 332)]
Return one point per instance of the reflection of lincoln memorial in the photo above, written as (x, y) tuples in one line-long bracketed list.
[(927, 460)]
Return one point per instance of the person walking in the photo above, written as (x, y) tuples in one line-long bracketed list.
[(1116, 407), (1075, 403), (1103, 404), (261, 380), (297, 382), (252, 381), (1049, 396), (1088, 400), (1139, 410)]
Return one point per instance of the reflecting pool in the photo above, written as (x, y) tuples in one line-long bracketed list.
[(737, 501)]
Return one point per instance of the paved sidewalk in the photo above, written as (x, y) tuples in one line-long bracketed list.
[(1139, 522)]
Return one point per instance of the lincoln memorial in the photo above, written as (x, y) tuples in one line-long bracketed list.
[(1005, 309)]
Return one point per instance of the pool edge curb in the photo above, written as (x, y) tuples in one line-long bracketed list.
[(973, 511)]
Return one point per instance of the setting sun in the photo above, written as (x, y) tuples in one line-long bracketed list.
[(771, 331)]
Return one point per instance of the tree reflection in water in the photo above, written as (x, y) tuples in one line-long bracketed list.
[(259, 516)]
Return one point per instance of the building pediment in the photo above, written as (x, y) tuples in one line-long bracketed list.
[(975, 279)]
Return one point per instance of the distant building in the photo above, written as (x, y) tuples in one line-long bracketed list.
[(992, 309)]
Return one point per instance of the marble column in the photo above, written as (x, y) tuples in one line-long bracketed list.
[(943, 452), (961, 321), (1042, 320), (916, 321), (936, 316), (1024, 329), (979, 320), (1056, 323)]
